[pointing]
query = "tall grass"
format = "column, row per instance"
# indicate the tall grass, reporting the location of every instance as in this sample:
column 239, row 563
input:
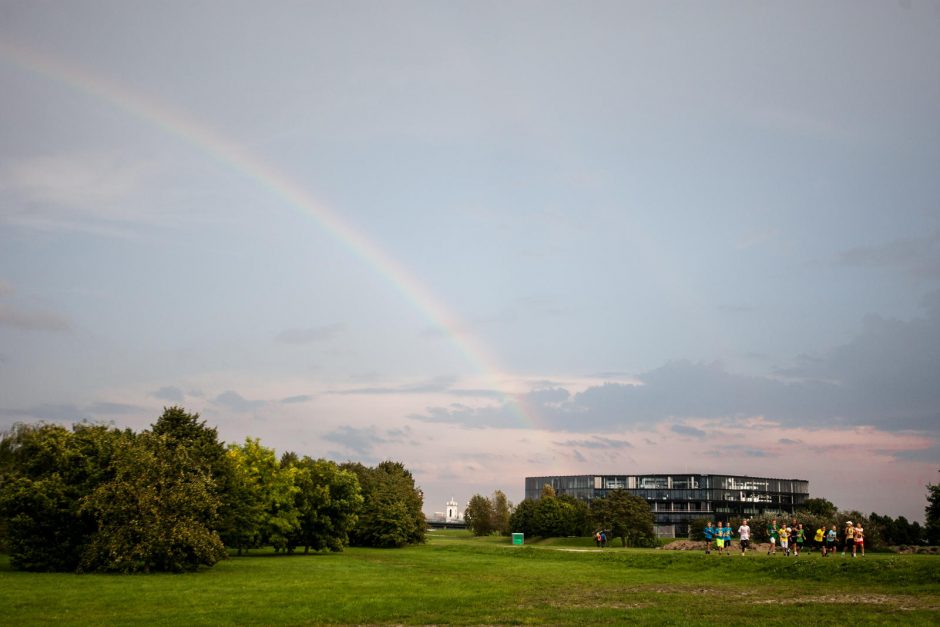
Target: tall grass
column 463, row 580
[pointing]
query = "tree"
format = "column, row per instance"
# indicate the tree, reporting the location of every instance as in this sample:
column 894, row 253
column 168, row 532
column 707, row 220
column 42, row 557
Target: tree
column 522, row 519
column 932, row 515
column 696, row 529
column 625, row 516
column 502, row 508
column 152, row 514
column 262, row 508
column 45, row 471
column 327, row 501
column 560, row 516
column 182, row 428
column 480, row 515
column 391, row 513
column 820, row 507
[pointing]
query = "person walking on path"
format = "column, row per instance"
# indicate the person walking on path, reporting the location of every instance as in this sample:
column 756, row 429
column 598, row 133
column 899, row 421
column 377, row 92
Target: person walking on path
column 744, row 536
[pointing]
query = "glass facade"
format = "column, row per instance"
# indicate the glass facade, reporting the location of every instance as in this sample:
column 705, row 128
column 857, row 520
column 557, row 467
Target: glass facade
column 676, row 500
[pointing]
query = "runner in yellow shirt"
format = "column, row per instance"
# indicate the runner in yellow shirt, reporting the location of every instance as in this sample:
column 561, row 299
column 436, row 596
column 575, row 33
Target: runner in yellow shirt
column 820, row 539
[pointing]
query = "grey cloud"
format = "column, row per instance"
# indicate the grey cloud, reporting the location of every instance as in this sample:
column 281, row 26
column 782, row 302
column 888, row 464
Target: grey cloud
column 919, row 256
column 596, row 442
column 49, row 413
column 930, row 455
column 689, row 431
column 886, row 377
column 113, row 408
column 610, row 375
column 32, row 320
column 70, row 413
column 476, row 393
column 236, row 402
column 363, row 440
column 169, row 393
column 502, row 416
column 549, row 395
column 735, row 449
column 311, row 335
column 438, row 384
column 300, row 398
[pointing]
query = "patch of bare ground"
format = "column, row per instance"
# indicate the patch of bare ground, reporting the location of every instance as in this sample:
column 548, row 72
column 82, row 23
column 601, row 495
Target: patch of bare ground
column 611, row 599
column 901, row 602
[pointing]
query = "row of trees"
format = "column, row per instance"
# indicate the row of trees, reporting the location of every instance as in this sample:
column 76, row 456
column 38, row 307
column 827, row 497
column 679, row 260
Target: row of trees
column 621, row 514
column 173, row 497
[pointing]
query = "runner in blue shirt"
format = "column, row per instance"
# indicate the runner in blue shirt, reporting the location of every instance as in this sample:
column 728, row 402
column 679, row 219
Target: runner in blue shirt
column 726, row 533
column 709, row 533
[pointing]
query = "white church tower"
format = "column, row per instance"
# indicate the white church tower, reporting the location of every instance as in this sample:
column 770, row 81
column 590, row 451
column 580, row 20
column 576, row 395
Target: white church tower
column 452, row 514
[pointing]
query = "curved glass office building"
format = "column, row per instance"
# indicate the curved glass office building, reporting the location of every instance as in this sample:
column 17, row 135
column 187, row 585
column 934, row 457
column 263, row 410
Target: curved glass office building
column 676, row 500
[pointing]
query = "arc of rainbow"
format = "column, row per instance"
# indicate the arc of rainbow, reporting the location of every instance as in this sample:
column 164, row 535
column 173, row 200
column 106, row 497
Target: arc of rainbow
column 199, row 135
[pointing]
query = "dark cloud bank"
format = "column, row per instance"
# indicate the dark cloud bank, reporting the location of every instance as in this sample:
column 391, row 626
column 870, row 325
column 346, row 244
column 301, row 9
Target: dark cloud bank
column 888, row 377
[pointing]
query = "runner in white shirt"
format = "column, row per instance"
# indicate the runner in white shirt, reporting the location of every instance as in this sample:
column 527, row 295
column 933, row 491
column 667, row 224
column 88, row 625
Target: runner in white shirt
column 744, row 533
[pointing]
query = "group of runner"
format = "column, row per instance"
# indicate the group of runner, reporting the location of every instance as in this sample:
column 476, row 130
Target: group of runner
column 790, row 538
column 853, row 539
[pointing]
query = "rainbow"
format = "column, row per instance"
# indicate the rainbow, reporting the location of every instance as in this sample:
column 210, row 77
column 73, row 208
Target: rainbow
column 237, row 158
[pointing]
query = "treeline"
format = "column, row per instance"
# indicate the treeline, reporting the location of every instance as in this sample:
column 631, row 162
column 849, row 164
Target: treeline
column 880, row 530
column 174, row 497
column 621, row 514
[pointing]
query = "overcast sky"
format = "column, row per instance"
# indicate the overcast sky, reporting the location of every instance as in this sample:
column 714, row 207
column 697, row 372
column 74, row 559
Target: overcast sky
column 488, row 239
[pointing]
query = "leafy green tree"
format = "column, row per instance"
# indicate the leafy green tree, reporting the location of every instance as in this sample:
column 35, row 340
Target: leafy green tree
column 182, row 428
column 480, row 515
column 559, row 517
column 625, row 516
column 327, row 501
column 897, row 532
column 45, row 471
column 696, row 529
column 932, row 515
column 391, row 513
column 152, row 514
column 262, row 508
column 580, row 522
column 820, row 507
column 522, row 519
column 502, row 509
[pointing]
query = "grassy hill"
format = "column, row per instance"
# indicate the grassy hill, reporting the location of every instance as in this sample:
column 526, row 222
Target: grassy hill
column 458, row 579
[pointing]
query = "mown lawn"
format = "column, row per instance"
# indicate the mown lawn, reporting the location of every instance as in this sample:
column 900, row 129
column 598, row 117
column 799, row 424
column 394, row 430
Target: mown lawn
column 460, row 580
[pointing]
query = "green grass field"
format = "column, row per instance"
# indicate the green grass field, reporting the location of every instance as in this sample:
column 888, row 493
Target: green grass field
column 458, row 579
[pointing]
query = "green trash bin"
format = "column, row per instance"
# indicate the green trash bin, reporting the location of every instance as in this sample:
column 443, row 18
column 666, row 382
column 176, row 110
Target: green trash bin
column 517, row 538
